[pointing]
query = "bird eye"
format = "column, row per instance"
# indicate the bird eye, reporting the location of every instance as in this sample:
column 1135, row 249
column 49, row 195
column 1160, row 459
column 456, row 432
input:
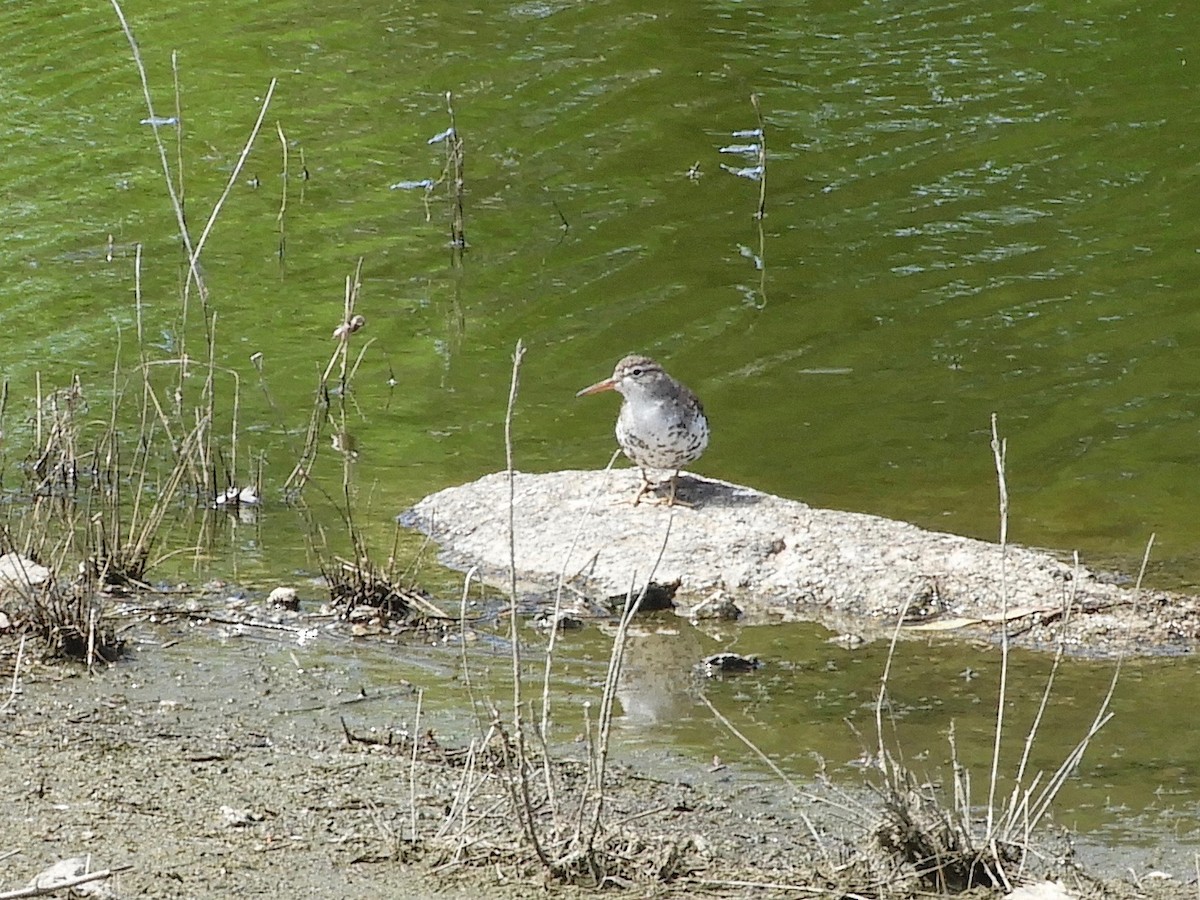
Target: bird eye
column 636, row 371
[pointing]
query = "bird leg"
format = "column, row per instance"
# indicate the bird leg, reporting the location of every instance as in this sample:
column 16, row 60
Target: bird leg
column 644, row 489
column 649, row 487
column 674, row 500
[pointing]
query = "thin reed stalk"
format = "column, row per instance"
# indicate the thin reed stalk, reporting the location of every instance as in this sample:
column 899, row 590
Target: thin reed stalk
column 283, row 195
column 761, row 212
column 552, row 642
column 155, row 124
column 233, row 177
column 412, row 768
column 525, row 805
column 999, row 454
column 611, row 679
column 179, row 134
column 455, row 165
column 339, row 359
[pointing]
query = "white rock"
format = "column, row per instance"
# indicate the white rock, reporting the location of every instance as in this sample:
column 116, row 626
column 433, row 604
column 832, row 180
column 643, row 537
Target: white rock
column 18, row 572
column 775, row 557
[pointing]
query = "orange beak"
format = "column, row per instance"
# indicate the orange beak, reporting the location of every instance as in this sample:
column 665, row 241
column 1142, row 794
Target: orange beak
column 606, row 385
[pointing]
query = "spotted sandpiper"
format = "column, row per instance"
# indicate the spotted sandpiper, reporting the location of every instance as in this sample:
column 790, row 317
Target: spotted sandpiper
column 661, row 424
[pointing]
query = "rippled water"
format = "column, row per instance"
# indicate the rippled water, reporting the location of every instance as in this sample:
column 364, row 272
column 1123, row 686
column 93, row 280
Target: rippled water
column 971, row 208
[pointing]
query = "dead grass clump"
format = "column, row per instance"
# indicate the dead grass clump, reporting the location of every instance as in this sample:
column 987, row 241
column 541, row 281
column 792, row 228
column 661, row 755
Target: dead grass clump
column 922, row 834
column 116, row 565
column 65, row 616
column 93, row 518
column 477, row 828
column 53, row 466
column 70, row 622
column 625, row 857
column 514, row 807
column 364, row 591
column 952, row 843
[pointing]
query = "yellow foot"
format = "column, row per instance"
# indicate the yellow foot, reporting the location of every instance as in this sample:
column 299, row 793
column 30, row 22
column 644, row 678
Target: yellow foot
column 671, row 499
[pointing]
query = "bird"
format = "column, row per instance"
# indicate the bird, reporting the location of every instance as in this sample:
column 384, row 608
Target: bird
column 661, row 424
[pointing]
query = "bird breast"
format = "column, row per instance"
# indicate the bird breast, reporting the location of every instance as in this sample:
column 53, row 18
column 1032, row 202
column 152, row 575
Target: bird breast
column 661, row 434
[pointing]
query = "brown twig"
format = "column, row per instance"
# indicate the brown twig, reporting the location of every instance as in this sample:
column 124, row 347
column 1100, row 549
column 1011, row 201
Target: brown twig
column 35, row 891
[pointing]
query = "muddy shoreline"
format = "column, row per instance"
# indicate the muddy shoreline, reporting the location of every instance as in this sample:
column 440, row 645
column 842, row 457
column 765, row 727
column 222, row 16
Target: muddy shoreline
column 303, row 787
column 218, row 761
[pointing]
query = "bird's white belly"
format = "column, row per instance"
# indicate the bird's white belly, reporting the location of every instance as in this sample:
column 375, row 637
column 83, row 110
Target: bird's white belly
column 661, row 438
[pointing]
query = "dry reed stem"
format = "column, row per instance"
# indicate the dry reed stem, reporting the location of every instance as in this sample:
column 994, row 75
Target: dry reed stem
column 1042, row 803
column 1017, row 810
column 462, row 636
column 999, row 453
column 176, row 198
column 301, row 472
column 15, row 687
column 1008, row 828
column 1059, row 653
column 761, row 212
column 524, row 804
column 455, row 163
column 341, row 351
column 37, row 406
column 1025, row 809
column 233, row 175
column 179, row 131
column 177, row 195
column 607, row 698
column 412, row 767
column 3, row 406
column 463, row 802
column 283, row 196
column 881, row 698
column 552, row 643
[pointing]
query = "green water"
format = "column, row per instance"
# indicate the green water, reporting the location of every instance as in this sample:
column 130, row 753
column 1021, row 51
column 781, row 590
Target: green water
column 971, row 208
